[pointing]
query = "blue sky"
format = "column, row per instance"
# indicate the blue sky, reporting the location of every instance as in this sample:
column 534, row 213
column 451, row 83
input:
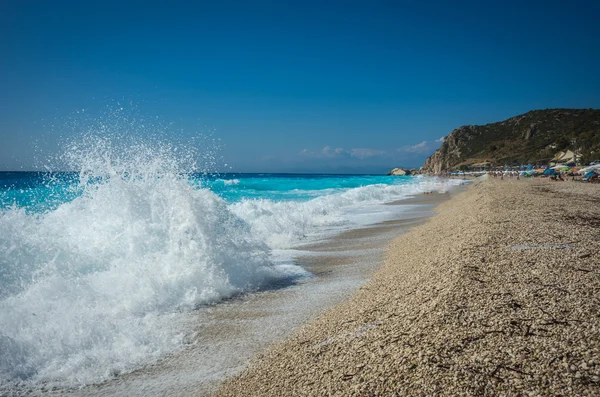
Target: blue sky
column 324, row 86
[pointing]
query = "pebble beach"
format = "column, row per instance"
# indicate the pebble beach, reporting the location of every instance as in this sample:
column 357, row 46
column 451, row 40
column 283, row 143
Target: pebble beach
column 497, row 294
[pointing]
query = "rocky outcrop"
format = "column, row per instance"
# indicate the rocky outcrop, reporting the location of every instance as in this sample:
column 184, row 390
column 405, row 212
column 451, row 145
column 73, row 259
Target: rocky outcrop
column 452, row 149
column 530, row 137
column 398, row 171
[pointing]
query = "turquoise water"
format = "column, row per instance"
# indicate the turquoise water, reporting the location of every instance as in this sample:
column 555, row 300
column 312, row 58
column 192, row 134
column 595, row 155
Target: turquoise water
column 98, row 267
column 235, row 187
column 39, row 191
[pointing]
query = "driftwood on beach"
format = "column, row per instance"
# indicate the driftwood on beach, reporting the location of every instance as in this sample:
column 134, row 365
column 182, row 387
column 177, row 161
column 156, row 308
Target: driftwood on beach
column 498, row 294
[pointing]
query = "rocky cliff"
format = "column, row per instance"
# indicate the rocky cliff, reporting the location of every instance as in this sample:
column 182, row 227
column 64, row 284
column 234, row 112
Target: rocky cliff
column 530, row 137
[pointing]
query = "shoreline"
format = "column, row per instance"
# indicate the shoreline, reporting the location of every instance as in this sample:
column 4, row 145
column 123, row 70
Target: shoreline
column 498, row 293
column 227, row 335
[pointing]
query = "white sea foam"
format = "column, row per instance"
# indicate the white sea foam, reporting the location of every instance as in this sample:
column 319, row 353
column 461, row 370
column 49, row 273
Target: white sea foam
column 93, row 287
column 282, row 224
column 231, row 181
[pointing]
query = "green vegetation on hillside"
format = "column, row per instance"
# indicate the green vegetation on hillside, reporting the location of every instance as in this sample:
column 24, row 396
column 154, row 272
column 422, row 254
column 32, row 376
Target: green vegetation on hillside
column 533, row 137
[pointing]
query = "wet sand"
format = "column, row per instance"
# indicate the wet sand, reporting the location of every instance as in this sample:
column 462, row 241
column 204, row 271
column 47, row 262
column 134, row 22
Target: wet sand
column 498, row 294
column 226, row 336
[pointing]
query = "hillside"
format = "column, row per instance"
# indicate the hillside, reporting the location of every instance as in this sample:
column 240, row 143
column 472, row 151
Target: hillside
column 532, row 137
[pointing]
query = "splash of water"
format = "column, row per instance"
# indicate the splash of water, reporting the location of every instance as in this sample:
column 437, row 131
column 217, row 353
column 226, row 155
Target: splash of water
column 94, row 286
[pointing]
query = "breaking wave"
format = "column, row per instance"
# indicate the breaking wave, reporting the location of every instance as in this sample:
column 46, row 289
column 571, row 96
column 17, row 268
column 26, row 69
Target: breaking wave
column 92, row 287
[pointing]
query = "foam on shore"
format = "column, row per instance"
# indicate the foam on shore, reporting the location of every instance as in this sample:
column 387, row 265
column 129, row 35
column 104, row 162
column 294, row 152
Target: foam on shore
column 222, row 338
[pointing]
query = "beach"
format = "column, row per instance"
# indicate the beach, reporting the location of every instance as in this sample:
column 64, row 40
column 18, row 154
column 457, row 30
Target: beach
column 342, row 234
column 497, row 294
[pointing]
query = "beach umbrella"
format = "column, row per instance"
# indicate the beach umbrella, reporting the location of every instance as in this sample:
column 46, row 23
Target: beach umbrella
column 589, row 174
column 590, row 168
column 549, row 171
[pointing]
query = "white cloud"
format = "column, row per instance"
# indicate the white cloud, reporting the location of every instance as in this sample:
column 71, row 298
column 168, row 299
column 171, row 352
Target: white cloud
column 424, row 147
column 326, row 152
column 418, row 148
column 329, row 152
column 364, row 153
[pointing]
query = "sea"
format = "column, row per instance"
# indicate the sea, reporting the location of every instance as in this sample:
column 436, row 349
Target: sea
column 99, row 265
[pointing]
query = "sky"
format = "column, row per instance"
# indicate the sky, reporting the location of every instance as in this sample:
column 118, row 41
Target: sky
column 289, row 86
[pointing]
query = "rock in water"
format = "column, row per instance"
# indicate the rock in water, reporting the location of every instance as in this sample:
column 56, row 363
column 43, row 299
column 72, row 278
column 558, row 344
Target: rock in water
column 398, row 171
